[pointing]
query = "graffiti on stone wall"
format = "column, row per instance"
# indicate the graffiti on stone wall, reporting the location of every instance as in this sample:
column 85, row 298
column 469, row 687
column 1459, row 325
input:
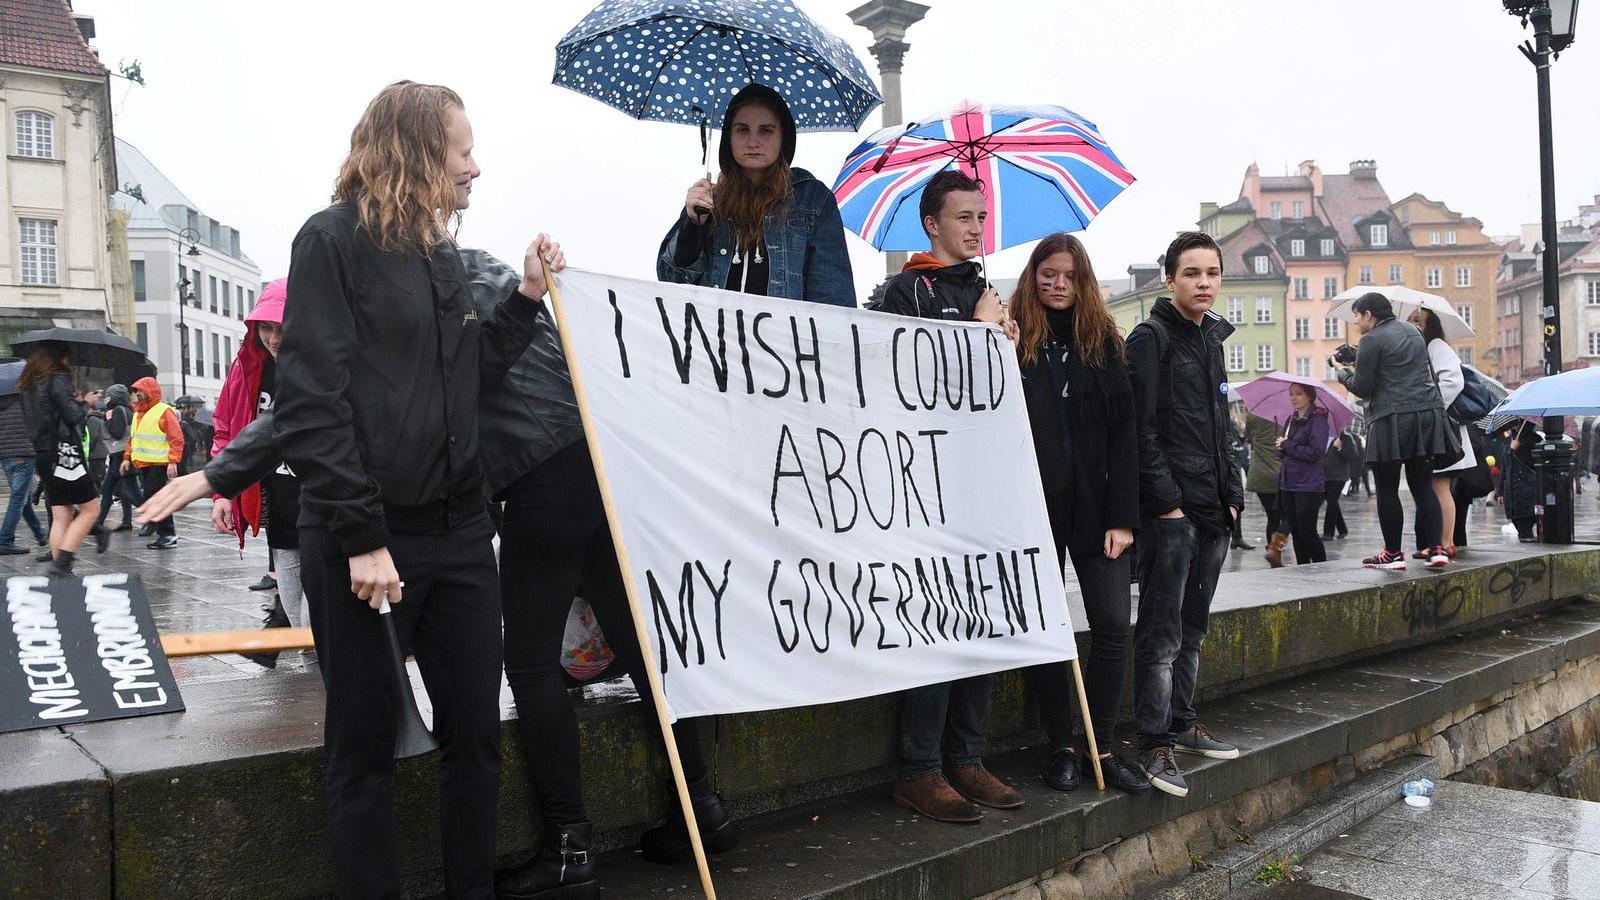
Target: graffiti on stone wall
column 1517, row 578
column 1433, row 605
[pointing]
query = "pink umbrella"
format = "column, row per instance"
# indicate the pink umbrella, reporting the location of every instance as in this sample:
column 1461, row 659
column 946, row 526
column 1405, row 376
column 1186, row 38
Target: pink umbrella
column 1268, row 397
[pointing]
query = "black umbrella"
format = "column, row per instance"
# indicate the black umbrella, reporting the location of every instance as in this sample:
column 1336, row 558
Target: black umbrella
column 92, row 349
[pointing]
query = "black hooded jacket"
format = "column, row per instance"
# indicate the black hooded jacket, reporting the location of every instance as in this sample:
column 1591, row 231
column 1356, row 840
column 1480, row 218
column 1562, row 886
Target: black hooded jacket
column 1180, row 389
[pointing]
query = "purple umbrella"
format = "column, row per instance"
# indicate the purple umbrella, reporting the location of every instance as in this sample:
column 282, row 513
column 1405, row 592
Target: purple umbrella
column 1268, row 397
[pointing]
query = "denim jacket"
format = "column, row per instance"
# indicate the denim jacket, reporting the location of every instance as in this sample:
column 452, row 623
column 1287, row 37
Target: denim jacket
column 805, row 249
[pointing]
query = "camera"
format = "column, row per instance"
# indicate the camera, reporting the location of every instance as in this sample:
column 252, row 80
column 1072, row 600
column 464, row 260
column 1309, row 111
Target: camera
column 1344, row 355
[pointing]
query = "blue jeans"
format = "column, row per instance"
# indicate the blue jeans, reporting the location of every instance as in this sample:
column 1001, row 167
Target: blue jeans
column 1178, row 568
column 19, row 475
column 943, row 723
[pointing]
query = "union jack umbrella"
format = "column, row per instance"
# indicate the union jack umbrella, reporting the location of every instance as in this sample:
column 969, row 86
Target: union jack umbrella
column 1043, row 169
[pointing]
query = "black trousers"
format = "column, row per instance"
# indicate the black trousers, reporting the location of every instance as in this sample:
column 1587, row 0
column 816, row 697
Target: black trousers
column 1300, row 510
column 1334, row 521
column 152, row 479
column 1108, row 604
column 1273, row 507
column 450, row 618
column 1391, row 514
column 554, row 545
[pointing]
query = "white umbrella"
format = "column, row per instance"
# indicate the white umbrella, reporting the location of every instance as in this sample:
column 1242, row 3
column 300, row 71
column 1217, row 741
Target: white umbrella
column 1406, row 301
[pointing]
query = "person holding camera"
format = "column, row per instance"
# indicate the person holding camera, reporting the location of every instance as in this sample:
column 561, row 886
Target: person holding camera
column 1406, row 425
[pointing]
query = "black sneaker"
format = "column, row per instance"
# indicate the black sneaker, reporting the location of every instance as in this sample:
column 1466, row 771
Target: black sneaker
column 102, row 538
column 13, row 550
column 267, row 583
column 147, row 530
column 1199, row 741
column 273, row 616
column 1123, row 775
column 165, row 542
column 44, row 555
column 1063, row 773
column 127, row 525
column 1163, row 772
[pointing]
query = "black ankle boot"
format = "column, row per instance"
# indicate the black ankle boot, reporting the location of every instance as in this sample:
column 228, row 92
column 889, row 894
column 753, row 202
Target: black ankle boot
column 669, row 843
column 60, row 566
column 563, row 869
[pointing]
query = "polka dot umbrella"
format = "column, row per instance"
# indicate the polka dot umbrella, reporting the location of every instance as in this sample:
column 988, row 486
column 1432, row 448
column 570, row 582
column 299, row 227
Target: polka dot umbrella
column 683, row 61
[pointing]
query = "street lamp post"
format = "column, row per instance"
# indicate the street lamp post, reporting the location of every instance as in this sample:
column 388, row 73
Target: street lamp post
column 185, row 294
column 1553, row 22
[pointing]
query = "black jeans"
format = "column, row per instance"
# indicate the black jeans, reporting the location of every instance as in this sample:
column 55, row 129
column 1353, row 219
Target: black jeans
column 450, row 619
column 1271, row 505
column 152, row 479
column 554, row 545
column 943, row 723
column 1178, row 568
column 1392, row 516
column 1334, row 521
column 116, row 484
column 1108, row 604
column 1300, row 510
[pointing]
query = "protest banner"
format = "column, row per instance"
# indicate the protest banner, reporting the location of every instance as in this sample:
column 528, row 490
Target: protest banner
column 80, row 650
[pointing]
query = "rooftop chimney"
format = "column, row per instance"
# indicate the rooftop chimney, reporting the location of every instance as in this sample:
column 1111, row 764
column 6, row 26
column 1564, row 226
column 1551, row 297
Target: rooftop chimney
column 1364, row 168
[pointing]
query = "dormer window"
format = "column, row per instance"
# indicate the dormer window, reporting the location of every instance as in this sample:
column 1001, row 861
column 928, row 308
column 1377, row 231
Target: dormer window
column 1297, row 248
column 1263, row 265
column 1276, row 210
column 1299, row 209
column 1327, row 246
column 1449, row 237
column 1378, row 235
column 1433, row 238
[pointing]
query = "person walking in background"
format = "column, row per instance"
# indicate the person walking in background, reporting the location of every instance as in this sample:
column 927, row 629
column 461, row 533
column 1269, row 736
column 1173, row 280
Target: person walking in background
column 56, row 421
column 1470, row 484
column 1079, row 397
column 1338, row 463
column 17, row 458
column 1300, row 489
column 94, row 425
column 765, row 227
column 1406, row 426
column 1263, row 478
column 155, row 447
column 1241, row 460
column 1447, row 375
column 197, row 435
column 118, row 417
column 1519, row 490
column 1189, row 495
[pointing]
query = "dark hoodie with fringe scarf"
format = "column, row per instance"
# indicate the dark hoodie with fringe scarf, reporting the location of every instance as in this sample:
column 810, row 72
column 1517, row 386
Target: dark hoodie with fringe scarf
column 1085, row 436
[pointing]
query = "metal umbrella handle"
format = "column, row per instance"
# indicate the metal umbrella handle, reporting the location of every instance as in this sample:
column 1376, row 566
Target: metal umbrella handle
column 411, row 737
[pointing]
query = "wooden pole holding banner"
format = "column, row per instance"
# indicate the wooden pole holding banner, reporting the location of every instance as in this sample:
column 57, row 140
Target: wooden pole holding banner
column 1088, row 725
column 646, row 653
column 204, row 643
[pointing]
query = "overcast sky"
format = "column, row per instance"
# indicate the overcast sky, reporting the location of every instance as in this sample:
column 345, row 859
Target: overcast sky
column 249, row 107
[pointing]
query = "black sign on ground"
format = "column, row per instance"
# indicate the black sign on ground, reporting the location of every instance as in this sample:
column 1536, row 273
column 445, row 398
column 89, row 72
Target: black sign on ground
column 80, row 650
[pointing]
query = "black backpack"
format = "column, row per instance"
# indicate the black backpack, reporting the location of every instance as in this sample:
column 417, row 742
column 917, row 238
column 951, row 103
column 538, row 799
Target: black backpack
column 1475, row 400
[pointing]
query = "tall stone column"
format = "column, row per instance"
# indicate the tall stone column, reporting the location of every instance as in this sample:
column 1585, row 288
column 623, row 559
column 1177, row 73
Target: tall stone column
column 888, row 21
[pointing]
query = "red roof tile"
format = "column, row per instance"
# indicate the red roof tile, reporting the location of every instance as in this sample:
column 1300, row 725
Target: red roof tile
column 40, row 34
column 1348, row 198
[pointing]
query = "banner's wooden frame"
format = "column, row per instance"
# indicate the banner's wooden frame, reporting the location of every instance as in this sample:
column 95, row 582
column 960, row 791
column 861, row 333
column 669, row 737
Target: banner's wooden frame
column 646, row 651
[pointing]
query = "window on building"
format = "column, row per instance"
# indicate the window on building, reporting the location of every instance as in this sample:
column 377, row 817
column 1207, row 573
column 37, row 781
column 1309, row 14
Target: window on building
column 1330, row 286
column 1466, row 355
column 1276, row 209
column 216, row 355
column 1397, row 274
column 239, row 297
column 1378, row 235
column 1327, row 246
column 1263, row 357
column 1364, row 275
column 1299, row 209
column 1433, row 238
column 1302, row 329
column 1302, row 288
column 1594, row 343
column 213, row 293
column 36, row 238
column 1449, row 237
column 227, row 351
column 1263, row 265
column 1516, row 303
column 137, row 266
column 1463, row 276
column 1236, row 310
column 1465, row 312
column 1297, row 248
column 198, row 346
column 1236, row 357
column 1435, row 277
column 1263, row 310
column 1593, row 293
column 36, row 135
column 227, row 299
column 141, row 336
column 1302, row 366
column 1332, row 328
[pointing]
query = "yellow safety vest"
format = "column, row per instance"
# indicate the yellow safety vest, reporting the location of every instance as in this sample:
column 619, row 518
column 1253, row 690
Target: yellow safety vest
column 149, row 441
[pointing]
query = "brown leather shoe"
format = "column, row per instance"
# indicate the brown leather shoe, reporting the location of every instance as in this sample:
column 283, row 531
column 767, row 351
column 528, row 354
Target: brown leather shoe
column 1274, row 552
column 979, row 785
column 932, row 796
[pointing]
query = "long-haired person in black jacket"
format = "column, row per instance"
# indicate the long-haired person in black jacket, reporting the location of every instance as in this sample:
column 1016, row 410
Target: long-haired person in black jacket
column 1080, row 403
column 377, row 413
column 56, row 423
